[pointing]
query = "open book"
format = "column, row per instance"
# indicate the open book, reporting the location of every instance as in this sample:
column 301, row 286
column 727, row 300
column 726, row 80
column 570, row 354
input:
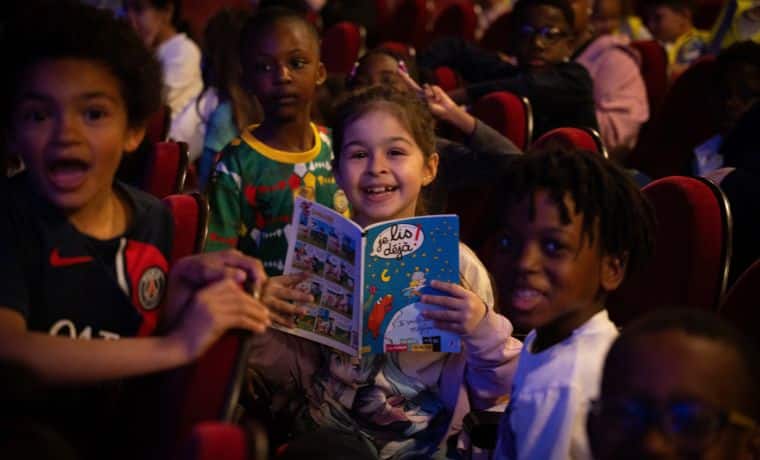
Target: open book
column 367, row 283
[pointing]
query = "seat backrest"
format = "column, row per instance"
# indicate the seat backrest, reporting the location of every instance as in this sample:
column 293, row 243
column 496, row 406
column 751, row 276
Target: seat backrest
column 408, row 24
column 685, row 120
column 341, row 46
column 573, row 138
column 157, row 127
column 740, row 306
column 166, row 169
column 225, row 441
column 190, row 213
column 654, row 71
column 457, row 19
column 692, row 251
column 507, row 113
column 499, row 35
column 447, row 78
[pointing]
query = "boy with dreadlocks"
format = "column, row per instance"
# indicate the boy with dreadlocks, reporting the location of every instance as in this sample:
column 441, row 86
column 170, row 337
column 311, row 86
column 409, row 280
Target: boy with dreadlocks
column 573, row 225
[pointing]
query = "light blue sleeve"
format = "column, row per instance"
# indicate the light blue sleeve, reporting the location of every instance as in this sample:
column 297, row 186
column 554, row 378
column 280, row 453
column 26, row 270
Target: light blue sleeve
column 220, row 130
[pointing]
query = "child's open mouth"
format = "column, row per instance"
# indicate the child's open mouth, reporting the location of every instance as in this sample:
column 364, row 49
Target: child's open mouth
column 525, row 299
column 67, row 174
column 379, row 193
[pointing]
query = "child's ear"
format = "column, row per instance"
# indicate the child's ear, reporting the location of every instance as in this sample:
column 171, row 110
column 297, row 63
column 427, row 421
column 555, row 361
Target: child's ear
column 321, row 73
column 431, row 169
column 613, row 271
column 133, row 138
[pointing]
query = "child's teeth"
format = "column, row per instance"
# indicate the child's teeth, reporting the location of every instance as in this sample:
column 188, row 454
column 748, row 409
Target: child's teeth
column 526, row 293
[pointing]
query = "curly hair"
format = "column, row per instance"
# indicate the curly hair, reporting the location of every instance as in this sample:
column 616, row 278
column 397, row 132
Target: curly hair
column 64, row 29
column 613, row 209
column 411, row 112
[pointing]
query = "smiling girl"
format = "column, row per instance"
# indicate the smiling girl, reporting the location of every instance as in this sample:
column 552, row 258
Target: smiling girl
column 404, row 404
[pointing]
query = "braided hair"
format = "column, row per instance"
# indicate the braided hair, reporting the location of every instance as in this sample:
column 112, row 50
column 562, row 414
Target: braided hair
column 613, row 210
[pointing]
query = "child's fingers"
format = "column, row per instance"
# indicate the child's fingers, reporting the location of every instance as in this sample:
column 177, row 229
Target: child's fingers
column 442, row 301
column 289, row 280
column 450, row 288
column 442, row 315
column 409, row 81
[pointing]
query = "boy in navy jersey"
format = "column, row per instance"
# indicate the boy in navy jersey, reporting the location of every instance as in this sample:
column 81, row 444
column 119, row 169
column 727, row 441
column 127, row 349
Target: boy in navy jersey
column 81, row 255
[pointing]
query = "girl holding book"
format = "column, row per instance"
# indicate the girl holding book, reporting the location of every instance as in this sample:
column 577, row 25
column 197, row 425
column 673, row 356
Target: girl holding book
column 402, row 404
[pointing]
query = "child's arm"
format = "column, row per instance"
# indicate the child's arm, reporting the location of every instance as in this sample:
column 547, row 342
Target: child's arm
column 621, row 102
column 491, row 351
column 226, row 199
column 206, row 313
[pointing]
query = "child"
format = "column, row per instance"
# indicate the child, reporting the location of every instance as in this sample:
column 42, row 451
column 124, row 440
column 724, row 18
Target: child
column 561, row 92
column 159, row 24
column 482, row 157
column 258, row 174
column 670, row 24
column 616, row 17
column 83, row 256
column 738, row 21
column 678, row 384
column 572, row 225
column 236, row 109
column 393, row 405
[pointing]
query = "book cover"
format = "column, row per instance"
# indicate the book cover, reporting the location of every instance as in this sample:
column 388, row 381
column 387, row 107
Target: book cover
column 367, row 283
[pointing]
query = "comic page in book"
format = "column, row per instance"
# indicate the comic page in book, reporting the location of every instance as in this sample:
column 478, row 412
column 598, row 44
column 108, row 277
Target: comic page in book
column 401, row 258
column 327, row 247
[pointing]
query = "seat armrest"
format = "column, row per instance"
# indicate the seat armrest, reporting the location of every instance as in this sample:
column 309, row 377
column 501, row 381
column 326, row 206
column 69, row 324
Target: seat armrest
column 482, row 427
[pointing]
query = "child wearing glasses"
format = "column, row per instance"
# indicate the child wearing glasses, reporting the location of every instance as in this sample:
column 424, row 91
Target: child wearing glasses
column 572, row 225
column 678, row 384
column 560, row 91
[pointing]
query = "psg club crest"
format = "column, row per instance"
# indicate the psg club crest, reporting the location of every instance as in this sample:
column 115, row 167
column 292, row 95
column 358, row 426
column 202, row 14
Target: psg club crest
column 151, row 287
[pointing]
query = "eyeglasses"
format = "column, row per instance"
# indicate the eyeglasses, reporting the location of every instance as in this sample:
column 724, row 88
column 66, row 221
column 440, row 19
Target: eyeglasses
column 689, row 424
column 547, row 34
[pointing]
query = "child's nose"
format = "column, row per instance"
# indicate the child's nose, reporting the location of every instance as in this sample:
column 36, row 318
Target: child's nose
column 283, row 73
column 529, row 257
column 66, row 128
column 377, row 163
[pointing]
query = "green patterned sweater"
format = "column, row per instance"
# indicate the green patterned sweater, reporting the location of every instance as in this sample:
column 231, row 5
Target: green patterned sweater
column 251, row 195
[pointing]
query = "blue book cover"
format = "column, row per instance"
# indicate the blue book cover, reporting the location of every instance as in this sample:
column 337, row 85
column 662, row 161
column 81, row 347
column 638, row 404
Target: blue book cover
column 400, row 259
column 367, row 283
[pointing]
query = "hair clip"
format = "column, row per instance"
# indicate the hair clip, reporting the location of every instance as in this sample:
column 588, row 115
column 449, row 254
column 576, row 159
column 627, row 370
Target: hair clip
column 352, row 73
column 402, row 66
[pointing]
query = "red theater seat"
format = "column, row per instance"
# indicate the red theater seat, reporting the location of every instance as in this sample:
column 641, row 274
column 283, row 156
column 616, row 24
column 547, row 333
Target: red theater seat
column 166, row 169
column 507, row 113
column 341, row 46
column 692, row 251
column 654, row 71
column 457, row 19
column 190, row 214
column 685, row 120
column 578, row 138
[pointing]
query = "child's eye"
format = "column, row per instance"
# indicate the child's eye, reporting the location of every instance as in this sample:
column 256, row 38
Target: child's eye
column 94, row 114
column 397, row 152
column 34, row 115
column 357, row 154
column 298, row 63
column 553, row 247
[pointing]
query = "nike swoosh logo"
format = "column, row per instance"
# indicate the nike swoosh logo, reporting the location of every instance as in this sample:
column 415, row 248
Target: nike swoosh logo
column 57, row 261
